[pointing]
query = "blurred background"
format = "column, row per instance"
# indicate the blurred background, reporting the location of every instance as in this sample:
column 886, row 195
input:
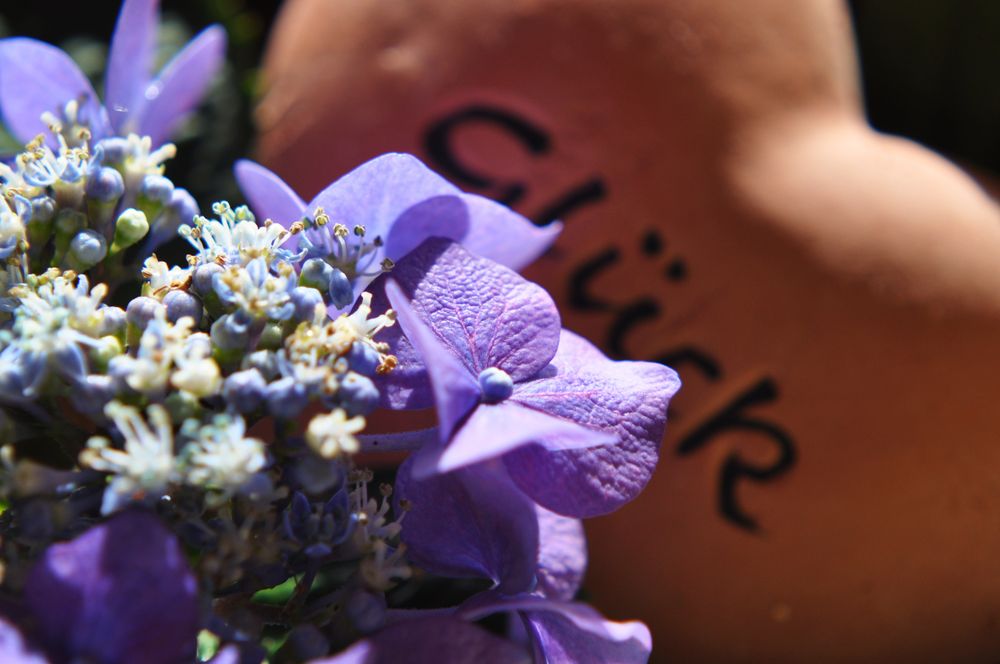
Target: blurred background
column 929, row 69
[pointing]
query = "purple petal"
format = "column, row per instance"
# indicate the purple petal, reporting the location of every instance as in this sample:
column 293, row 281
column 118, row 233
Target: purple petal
column 470, row 523
column 486, row 314
column 562, row 554
column 407, row 387
column 572, row 632
column 627, row 399
column 268, row 195
column 498, row 233
column 121, row 591
column 388, row 196
column 14, row 649
column 429, row 641
column 129, row 62
column 35, row 78
column 568, row 631
column 493, row 430
column 182, row 84
column 456, row 392
column 379, row 191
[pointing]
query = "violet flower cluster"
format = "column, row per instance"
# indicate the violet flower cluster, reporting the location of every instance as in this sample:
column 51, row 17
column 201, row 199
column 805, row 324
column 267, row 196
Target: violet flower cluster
column 193, row 475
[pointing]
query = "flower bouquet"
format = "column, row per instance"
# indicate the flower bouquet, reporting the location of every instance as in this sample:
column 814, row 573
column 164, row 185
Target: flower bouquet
column 196, row 463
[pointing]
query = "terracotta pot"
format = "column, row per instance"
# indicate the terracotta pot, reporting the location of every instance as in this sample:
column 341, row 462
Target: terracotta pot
column 830, row 484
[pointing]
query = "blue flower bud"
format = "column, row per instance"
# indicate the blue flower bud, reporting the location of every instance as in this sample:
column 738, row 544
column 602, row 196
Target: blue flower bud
column 496, row 385
column 316, row 274
column 86, row 249
column 105, row 185
column 113, row 321
column 295, row 518
column 264, row 362
column 183, row 205
column 157, row 188
column 113, row 150
column 141, row 310
column 286, row 397
column 71, row 363
column 92, row 394
column 357, row 394
column 180, row 303
column 231, row 332
column 363, row 359
column 43, row 208
column 202, row 278
column 341, row 291
column 305, row 300
column 244, row 390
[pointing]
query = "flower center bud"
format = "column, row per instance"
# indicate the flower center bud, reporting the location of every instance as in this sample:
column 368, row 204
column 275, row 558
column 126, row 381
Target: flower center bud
column 496, row 384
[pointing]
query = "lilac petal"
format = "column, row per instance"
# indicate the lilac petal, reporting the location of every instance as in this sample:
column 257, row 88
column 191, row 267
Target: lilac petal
column 120, row 592
column 572, row 632
column 182, row 84
column 486, row 314
column 627, row 399
column 129, row 61
column 568, row 631
column 13, row 647
column 562, row 554
column 268, row 195
column 470, row 523
column 407, row 387
column 455, row 391
column 379, row 191
column 498, row 233
column 429, row 641
column 381, row 194
column 35, row 78
column 493, row 430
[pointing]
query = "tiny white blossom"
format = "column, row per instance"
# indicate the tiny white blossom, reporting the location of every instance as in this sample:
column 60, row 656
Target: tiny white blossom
column 332, row 434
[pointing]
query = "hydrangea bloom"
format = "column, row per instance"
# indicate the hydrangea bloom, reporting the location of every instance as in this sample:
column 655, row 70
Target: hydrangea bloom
column 578, row 432
column 41, row 80
column 376, row 214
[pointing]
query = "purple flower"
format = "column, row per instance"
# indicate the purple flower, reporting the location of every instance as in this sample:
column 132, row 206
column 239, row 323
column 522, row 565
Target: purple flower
column 379, row 212
column 476, row 523
column 37, row 78
column 120, row 592
column 578, row 432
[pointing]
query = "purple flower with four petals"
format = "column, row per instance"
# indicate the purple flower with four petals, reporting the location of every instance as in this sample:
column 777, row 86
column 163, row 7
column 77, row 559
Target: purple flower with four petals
column 578, row 433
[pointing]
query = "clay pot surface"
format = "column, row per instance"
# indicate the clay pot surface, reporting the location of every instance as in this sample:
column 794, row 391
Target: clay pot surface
column 829, row 487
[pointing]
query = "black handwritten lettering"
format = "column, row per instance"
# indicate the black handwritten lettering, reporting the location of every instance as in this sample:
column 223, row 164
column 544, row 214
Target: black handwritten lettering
column 442, row 153
column 735, row 469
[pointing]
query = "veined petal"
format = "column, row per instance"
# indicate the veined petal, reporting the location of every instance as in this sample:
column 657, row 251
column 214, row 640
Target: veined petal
column 37, row 78
column 626, row 399
column 268, row 195
column 182, row 84
column 498, row 233
column 470, row 523
column 485, row 313
column 493, row 430
column 129, row 61
column 120, row 592
column 455, row 390
column 424, row 640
